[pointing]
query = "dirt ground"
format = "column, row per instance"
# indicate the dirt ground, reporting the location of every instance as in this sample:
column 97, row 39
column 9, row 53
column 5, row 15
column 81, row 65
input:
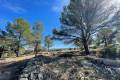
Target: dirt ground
column 10, row 68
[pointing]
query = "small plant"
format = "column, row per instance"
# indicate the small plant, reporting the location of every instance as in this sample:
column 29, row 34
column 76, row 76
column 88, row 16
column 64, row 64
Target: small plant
column 109, row 52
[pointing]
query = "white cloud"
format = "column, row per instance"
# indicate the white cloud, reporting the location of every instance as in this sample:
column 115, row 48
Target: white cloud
column 116, row 2
column 14, row 7
column 59, row 4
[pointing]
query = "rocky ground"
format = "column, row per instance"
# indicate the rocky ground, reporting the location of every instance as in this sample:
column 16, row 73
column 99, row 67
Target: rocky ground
column 70, row 68
column 62, row 67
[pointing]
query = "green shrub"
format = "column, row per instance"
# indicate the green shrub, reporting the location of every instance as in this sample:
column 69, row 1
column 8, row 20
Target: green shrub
column 109, row 52
column 118, row 51
column 22, row 51
column 27, row 52
column 94, row 47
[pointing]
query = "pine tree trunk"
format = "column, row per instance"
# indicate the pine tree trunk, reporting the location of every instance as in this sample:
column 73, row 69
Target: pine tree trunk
column 106, row 44
column 87, row 52
column 36, row 48
column 48, row 48
column 18, row 49
column 0, row 54
column 85, row 45
column 1, row 51
column 18, row 45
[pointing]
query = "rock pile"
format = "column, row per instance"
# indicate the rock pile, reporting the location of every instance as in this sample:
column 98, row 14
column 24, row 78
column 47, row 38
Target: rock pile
column 74, row 68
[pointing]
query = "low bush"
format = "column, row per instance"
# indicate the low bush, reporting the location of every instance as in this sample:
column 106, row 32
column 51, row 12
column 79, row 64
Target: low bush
column 66, row 55
column 109, row 52
column 94, row 47
column 27, row 52
column 118, row 51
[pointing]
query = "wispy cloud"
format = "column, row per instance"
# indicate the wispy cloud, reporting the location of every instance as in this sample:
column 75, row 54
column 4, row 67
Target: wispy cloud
column 2, row 21
column 14, row 7
column 59, row 4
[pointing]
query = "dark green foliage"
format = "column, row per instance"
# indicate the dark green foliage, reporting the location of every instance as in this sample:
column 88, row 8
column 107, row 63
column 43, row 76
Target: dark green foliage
column 118, row 53
column 19, row 35
column 118, row 36
column 66, row 55
column 94, row 47
column 27, row 52
column 16, row 35
column 1, row 51
column 109, row 52
column 48, row 42
column 106, row 36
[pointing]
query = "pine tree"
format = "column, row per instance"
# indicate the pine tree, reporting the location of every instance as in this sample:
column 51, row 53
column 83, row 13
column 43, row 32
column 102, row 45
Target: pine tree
column 48, row 42
column 82, row 19
column 37, row 34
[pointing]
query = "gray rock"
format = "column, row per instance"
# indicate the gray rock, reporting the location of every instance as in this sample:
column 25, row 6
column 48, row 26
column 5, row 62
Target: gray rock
column 23, row 79
column 40, row 76
column 68, row 68
column 24, row 76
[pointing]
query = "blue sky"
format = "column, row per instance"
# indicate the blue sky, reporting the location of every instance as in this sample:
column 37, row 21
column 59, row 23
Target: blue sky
column 46, row 11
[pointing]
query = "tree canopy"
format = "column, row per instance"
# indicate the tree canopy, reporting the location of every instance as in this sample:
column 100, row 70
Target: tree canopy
column 81, row 19
column 37, row 36
column 48, row 42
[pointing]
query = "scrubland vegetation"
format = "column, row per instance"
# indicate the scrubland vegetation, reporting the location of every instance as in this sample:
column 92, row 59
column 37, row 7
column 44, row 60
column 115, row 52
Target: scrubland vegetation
column 92, row 26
